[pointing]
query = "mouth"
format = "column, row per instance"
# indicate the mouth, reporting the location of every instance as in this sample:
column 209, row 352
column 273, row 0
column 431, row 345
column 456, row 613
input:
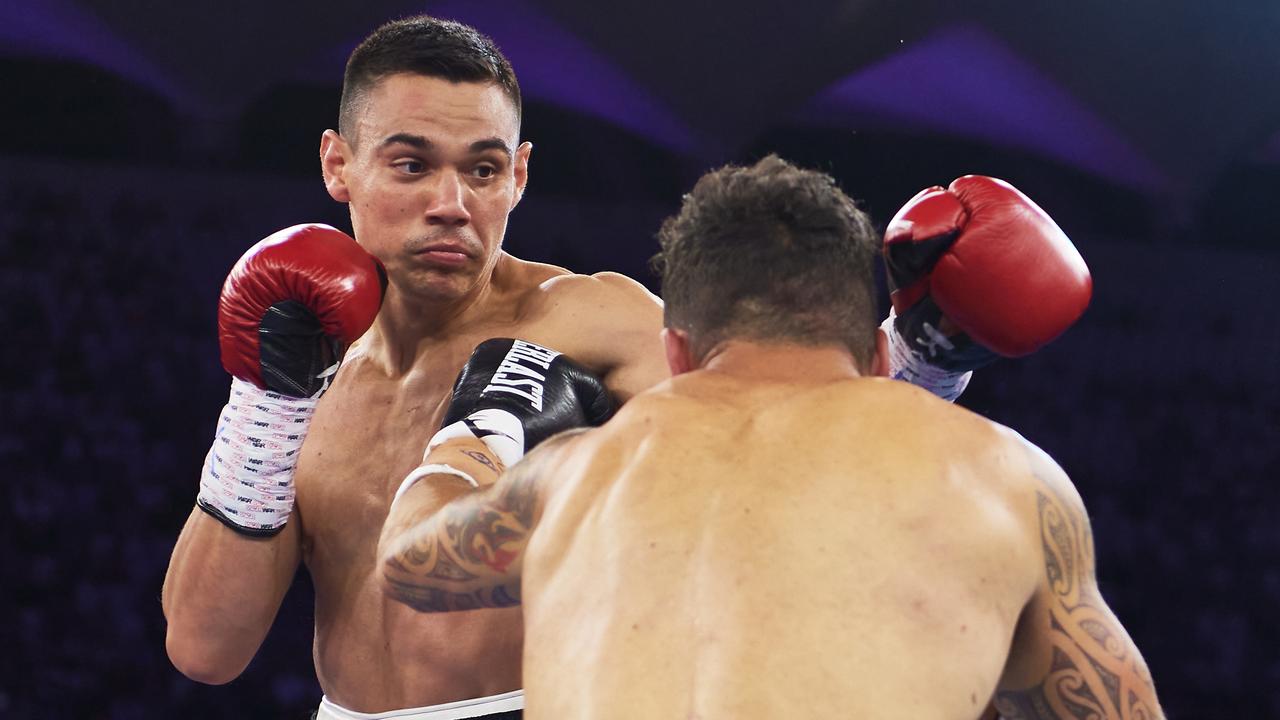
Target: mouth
column 445, row 254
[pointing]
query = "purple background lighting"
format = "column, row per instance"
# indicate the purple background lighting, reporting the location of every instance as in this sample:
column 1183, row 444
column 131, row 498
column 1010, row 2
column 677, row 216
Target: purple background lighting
column 145, row 145
column 962, row 81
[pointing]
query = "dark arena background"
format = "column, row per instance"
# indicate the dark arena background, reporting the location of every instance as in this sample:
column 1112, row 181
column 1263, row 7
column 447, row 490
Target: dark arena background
column 144, row 146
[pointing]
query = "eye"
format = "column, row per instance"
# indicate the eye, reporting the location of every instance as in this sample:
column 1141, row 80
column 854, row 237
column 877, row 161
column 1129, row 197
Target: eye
column 410, row 167
column 484, row 172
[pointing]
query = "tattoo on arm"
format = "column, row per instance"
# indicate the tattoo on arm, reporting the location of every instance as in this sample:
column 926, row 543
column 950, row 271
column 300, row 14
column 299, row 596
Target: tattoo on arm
column 1096, row 672
column 467, row 555
column 430, row 599
column 481, row 458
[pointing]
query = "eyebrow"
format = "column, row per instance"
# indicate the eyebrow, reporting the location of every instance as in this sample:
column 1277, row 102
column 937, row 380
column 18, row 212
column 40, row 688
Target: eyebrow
column 421, row 143
column 414, row 141
column 493, row 143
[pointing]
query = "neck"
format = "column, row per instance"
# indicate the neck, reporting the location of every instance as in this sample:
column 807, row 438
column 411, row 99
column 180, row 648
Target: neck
column 783, row 362
column 409, row 325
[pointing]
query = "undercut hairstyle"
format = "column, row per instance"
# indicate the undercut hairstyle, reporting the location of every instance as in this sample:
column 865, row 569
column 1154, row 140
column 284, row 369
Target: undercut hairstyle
column 770, row 253
column 422, row 45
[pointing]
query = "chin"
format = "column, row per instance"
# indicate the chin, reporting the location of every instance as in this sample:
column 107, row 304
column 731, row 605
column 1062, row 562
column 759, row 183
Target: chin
column 437, row 286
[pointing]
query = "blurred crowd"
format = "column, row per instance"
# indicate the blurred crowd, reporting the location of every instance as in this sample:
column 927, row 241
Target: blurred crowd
column 111, row 385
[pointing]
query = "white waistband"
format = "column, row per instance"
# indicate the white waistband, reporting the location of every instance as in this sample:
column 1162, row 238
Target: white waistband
column 459, row 710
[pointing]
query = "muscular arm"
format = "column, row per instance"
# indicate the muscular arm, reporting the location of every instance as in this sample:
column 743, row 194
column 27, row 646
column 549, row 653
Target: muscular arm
column 1071, row 658
column 619, row 325
column 447, row 546
column 221, row 593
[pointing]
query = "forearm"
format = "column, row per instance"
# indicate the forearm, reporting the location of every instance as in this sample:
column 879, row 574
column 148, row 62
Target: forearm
column 420, row 498
column 239, row 550
column 456, row 530
column 436, row 552
column 431, row 566
column 221, row 593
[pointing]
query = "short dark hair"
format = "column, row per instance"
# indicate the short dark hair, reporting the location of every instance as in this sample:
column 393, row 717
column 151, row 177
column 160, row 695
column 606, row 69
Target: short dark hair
column 423, row 45
column 770, row 252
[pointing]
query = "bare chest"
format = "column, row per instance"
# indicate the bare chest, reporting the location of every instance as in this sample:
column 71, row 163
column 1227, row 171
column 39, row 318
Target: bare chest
column 363, row 440
column 370, row 431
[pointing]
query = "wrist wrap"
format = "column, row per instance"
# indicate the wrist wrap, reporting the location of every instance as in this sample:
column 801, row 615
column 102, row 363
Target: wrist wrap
column 908, row 364
column 247, row 480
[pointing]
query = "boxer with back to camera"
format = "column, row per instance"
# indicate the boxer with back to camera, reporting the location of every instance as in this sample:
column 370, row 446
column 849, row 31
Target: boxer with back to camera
column 776, row 531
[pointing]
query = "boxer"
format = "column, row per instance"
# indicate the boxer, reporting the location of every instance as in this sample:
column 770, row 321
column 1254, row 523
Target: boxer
column 777, row 531
column 306, row 460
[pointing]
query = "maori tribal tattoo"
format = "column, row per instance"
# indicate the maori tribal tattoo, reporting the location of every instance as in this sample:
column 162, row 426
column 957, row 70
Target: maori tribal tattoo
column 1096, row 672
column 467, row 555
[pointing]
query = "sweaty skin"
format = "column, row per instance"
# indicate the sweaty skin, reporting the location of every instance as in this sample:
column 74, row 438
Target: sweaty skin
column 430, row 177
column 749, row 541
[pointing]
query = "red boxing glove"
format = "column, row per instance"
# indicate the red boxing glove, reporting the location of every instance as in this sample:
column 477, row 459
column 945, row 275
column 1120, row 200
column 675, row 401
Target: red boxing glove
column 289, row 309
column 292, row 305
column 984, row 257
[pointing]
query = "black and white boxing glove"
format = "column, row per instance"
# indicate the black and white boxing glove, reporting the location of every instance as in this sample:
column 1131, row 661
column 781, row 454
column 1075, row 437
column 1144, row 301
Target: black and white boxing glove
column 512, row 395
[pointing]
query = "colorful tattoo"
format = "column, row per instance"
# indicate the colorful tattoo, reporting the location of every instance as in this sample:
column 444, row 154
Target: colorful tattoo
column 466, row 555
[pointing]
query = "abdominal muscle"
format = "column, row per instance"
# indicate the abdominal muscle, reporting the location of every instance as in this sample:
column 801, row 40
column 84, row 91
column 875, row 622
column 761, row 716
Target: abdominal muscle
column 373, row 654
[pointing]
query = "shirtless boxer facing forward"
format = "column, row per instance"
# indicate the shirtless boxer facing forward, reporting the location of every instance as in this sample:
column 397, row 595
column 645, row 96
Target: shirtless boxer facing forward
column 429, row 161
column 774, row 533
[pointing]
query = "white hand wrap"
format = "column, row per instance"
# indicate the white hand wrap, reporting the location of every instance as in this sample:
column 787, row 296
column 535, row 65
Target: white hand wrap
column 907, row 364
column 431, row 469
column 247, row 481
column 498, row 429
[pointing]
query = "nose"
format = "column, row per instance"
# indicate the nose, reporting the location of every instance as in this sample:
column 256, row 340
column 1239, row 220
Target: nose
column 448, row 201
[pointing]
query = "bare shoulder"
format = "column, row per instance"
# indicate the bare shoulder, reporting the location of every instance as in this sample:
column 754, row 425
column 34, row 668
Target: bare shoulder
column 553, row 281
column 608, row 322
column 531, row 471
column 902, row 409
column 605, row 290
column 527, row 275
column 541, row 473
column 998, row 464
column 662, row 402
column 1042, row 474
column 554, row 448
column 603, row 305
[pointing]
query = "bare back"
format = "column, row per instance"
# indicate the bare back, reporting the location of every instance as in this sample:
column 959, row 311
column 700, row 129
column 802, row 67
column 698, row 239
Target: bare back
column 370, row 429
column 850, row 549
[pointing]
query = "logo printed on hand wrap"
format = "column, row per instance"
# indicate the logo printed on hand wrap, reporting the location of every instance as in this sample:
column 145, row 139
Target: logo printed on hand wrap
column 935, row 343
column 514, row 376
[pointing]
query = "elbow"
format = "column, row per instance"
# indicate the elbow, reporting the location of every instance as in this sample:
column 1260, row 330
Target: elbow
column 201, row 659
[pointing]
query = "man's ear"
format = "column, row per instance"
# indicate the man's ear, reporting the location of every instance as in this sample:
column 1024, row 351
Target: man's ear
column 679, row 356
column 334, row 154
column 880, row 360
column 523, row 151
